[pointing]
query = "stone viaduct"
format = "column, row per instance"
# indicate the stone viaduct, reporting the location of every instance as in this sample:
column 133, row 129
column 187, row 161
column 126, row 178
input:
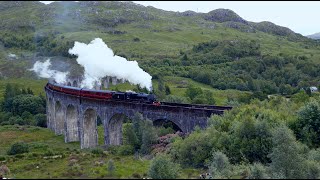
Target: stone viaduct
column 76, row 117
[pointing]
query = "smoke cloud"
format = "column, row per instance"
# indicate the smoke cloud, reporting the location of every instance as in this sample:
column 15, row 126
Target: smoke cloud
column 42, row 70
column 99, row 61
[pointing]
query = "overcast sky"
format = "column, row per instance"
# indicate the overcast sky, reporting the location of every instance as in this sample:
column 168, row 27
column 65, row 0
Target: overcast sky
column 299, row 16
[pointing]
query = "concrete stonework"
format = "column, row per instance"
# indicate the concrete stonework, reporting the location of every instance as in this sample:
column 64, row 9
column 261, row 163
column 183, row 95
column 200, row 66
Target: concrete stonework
column 76, row 118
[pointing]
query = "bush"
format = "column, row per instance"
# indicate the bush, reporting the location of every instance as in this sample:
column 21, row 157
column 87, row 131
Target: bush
column 258, row 171
column 176, row 99
column 220, row 165
column 136, row 39
column 193, row 150
column 122, row 150
column 5, row 123
column 28, row 118
column 164, row 131
column 129, row 136
column 287, row 158
column 41, row 120
column 313, row 170
column 2, row 158
column 125, row 150
column 193, row 91
column 111, row 167
column 18, row 148
column 149, row 137
column 49, row 152
column 113, row 149
column 29, row 103
column 97, row 151
column 19, row 156
column 16, row 120
column 136, row 175
column 307, row 127
column 163, row 168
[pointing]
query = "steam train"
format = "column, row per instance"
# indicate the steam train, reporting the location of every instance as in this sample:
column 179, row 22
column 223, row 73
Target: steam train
column 104, row 94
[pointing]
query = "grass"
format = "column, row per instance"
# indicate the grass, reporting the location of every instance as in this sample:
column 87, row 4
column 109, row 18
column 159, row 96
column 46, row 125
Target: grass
column 84, row 163
column 39, row 136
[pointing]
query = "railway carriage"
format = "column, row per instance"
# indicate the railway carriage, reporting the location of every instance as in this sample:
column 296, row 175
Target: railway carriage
column 104, row 94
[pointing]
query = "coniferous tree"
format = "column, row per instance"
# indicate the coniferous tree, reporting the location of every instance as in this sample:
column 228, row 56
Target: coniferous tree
column 137, row 127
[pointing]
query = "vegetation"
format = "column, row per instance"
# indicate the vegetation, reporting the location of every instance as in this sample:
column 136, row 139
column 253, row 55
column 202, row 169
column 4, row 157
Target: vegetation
column 18, row 148
column 162, row 168
column 21, row 106
column 263, row 70
column 217, row 48
column 253, row 141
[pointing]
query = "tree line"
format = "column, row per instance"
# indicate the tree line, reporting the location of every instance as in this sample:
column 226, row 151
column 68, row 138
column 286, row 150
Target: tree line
column 21, row 106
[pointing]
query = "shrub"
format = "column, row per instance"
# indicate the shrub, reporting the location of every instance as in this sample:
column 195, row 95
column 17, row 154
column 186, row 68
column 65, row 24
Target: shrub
column 125, row 150
column 307, row 126
column 16, row 120
column 2, row 158
column 176, row 99
column 18, row 148
column 162, row 131
column 163, row 168
column 19, row 156
column 49, row 152
column 286, row 156
column 136, row 39
column 111, row 167
column 136, row 175
column 97, row 151
column 41, row 120
column 220, row 165
column 258, row 171
column 121, row 150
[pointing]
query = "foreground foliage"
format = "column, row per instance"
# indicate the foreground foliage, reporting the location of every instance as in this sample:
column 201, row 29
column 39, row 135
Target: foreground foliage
column 255, row 141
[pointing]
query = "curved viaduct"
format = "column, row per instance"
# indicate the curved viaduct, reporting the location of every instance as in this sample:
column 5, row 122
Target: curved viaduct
column 76, row 117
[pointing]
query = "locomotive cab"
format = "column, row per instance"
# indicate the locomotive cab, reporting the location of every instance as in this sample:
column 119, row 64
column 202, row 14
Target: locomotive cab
column 119, row 95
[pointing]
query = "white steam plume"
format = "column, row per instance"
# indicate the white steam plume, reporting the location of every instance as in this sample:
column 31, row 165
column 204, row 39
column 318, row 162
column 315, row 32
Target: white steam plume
column 99, row 61
column 42, row 70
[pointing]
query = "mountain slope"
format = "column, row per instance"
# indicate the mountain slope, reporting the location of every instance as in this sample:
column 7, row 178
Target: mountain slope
column 157, row 39
column 314, row 36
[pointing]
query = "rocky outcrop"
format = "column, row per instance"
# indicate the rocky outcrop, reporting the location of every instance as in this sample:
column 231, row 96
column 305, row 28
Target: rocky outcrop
column 223, row 15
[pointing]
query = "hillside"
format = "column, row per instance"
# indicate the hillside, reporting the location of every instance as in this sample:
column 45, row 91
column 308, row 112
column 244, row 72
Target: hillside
column 157, row 39
column 314, row 36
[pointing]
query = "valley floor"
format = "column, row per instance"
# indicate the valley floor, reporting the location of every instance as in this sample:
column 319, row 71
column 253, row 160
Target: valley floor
column 50, row 157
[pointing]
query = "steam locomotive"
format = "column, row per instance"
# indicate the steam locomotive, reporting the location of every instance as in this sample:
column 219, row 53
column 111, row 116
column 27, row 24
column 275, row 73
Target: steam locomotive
column 104, row 94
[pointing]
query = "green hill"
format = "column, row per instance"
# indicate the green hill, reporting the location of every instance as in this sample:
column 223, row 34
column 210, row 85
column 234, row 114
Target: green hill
column 159, row 40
